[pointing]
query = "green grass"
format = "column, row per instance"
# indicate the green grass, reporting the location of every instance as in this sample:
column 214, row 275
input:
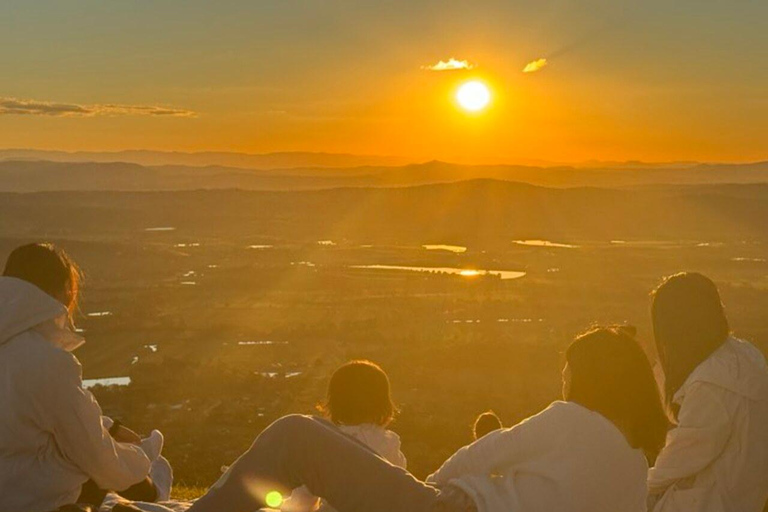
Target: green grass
column 183, row 492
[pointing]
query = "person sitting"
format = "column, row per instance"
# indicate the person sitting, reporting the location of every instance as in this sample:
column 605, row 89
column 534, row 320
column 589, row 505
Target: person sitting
column 359, row 402
column 55, row 449
column 716, row 389
column 587, row 453
column 485, row 423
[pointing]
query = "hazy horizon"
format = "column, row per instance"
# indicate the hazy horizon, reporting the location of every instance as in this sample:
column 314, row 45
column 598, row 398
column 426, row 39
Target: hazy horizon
column 392, row 159
column 566, row 81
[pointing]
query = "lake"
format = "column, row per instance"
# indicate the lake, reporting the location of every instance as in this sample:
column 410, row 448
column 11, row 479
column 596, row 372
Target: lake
column 106, row 381
column 545, row 243
column 458, row 249
column 463, row 272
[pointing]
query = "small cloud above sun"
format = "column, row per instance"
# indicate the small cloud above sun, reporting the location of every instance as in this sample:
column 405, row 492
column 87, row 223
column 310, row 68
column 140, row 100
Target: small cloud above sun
column 535, row 65
column 473, row 96
column 449, row 65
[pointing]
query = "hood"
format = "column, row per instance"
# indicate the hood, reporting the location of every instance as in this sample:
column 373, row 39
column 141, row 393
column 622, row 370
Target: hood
column 737, row 366
column 24, row 306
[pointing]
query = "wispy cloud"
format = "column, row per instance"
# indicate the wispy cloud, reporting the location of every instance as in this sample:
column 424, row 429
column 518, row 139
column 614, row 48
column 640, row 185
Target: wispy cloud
column 534, row 65
column 15, row 106
column 449, row 65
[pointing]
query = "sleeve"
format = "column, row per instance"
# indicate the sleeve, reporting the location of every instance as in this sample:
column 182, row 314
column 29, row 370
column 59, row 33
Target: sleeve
column 489, row 454
column 704, row 426
column 74, row 418
column 394, row 453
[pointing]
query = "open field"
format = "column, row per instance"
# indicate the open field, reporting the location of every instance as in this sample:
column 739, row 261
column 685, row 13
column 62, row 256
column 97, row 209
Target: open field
column 228, row 309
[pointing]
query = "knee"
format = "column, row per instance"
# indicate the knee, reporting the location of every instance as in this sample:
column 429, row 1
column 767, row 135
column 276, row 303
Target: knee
column 290, row 427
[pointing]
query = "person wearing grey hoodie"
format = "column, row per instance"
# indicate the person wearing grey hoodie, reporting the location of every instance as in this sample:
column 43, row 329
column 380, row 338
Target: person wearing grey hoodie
column 52, row 439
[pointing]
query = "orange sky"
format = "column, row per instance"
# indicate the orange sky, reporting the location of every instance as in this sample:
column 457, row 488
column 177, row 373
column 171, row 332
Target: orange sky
column 624, row 81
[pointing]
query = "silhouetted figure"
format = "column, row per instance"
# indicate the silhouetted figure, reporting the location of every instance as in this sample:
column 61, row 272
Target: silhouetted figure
column 486, row 423
column 585, row 454
column 716, row 389
column 359, row 402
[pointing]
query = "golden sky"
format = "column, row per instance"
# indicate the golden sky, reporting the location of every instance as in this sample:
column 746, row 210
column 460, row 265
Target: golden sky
column 611, row 79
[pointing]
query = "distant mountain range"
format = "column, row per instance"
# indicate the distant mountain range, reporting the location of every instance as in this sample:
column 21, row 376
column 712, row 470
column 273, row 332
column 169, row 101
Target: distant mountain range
column 30, row 175
column 281, row 160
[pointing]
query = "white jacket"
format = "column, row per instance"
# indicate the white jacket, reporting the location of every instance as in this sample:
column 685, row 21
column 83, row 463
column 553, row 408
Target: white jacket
column 565, row 459
column 716, row 459
column 382, row 441
column 51, row 435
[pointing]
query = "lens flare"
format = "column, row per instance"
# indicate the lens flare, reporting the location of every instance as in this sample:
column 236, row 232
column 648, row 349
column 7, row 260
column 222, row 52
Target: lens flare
column 273, row 499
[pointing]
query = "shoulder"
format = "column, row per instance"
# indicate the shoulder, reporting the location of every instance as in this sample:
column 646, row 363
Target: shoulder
column 558, row 414
column 737, row 367
column 37, row 369
column 33, row 352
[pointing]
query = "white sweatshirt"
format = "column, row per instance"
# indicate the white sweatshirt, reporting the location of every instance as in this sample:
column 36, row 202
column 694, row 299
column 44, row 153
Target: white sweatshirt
column 716, row 459
column 383, row 442
column 566, row 458
column 51, row 435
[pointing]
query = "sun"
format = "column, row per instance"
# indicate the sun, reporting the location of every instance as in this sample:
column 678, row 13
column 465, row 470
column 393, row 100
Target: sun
column 473, row 96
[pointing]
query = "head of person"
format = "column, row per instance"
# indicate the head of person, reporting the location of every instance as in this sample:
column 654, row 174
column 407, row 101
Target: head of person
column 608, row 372
column 359, row 393
column 486, row 423
column 49, row 268
column 689, row 324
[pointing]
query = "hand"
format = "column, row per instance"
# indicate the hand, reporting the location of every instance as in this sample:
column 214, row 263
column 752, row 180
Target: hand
column 126, row 435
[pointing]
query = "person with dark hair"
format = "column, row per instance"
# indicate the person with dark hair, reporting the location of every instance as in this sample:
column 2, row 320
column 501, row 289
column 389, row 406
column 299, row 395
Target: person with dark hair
column 584, row 454
column 359, row 402
column 716, row 390
column 54, row 447
column 485, row 423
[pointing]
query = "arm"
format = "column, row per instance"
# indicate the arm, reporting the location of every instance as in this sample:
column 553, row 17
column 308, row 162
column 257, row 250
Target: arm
column 488, row 454
column 704, row 427
column 72, row 415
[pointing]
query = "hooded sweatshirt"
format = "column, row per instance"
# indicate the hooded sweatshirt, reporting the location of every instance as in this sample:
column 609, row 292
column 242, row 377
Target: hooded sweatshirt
column 716, row 459
column 567, row 458
column 51, row 435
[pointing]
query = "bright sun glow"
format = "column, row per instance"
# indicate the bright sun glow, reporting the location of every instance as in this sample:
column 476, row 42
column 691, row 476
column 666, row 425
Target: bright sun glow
column 473, row 96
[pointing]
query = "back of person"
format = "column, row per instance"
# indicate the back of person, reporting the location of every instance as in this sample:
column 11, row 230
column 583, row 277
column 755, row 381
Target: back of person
column 716, row 388
column 33, row 473
column 52, row 440
column 566, row 458
column 723, row 465
column 384, row 442
column 359, row 403
column 586, row 454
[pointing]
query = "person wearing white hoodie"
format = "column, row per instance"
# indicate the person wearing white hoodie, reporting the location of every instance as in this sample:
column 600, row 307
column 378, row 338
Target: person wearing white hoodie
column 586, row 454
column 52, row 437
column 716, row 387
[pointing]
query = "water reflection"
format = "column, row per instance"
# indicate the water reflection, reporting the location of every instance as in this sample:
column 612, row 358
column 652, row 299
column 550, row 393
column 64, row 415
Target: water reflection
column 450, row 248
column 97, row 314
column 503, row 274
column 106, row 381
column 261, row 342
column 545, row 243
